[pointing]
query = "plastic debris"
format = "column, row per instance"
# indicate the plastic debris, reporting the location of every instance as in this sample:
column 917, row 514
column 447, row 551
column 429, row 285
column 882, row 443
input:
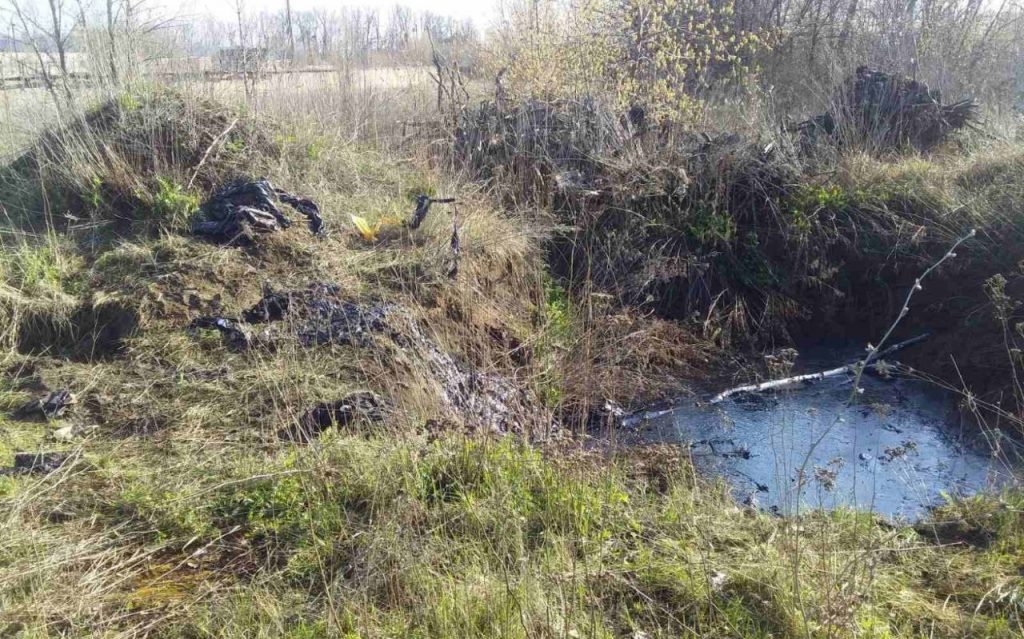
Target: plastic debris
column 52, row 406
column 368, row 232
column 241, row 210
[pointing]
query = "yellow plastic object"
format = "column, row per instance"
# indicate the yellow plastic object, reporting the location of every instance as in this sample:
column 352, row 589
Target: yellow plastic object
column 368, row 232
column 371, row 231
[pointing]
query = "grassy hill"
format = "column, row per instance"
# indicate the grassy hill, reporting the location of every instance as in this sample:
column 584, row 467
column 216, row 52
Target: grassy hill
column 469, row 509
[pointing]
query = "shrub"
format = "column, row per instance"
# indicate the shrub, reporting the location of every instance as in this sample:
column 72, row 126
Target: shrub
column 662, row 56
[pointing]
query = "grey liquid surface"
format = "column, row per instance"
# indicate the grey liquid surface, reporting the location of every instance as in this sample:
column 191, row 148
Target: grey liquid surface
column 893, row 451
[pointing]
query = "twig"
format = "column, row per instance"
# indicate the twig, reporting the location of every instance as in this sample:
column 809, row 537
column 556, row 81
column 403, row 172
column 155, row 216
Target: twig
column 873, row 351
column 456, row 245
column 814, row 377
column 209, row 149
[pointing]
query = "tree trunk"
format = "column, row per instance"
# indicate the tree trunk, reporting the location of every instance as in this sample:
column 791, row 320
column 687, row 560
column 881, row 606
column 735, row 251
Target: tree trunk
column 60, row 43
column 112, row 42
column 291, row 34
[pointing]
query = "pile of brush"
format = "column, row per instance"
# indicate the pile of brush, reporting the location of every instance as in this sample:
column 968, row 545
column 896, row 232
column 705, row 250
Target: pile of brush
column 886, row 112
column 651, row 213
column 685, row 222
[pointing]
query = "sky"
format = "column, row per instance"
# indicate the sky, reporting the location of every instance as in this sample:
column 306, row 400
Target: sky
column 481, row 11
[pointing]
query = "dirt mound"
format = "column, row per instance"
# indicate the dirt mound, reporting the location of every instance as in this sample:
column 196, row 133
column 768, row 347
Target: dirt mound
column 136, row 163
column 882, row 112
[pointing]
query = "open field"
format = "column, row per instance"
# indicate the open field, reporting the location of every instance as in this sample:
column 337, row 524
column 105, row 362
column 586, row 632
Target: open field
column 383, row 96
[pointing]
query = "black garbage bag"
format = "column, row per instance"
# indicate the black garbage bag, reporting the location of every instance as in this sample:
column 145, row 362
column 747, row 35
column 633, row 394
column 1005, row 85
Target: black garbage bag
column 243, row 209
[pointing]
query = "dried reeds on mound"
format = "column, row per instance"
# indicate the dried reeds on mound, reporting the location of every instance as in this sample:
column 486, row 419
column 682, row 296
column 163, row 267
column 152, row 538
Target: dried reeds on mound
column 136, row 163
column 882, row 112
column 654, row 213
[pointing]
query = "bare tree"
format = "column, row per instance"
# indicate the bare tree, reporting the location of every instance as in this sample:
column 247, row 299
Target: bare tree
column 243, row 48
column 111, row 15
column 291, row 33
column 47, row 37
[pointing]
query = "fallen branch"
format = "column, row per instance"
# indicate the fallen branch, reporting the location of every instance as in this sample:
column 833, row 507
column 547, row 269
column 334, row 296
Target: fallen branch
column 872, row 361
column 875, row 352
column 223, row 134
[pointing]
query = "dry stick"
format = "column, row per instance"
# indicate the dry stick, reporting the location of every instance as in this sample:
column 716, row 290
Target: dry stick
column 786, row 382
column 209, row 149
column 874, row 351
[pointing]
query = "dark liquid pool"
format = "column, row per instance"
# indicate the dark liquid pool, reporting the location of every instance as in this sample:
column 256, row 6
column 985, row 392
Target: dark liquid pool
column 896, row 450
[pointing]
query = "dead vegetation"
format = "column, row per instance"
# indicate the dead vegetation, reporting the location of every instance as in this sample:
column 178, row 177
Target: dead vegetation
column 750, row 240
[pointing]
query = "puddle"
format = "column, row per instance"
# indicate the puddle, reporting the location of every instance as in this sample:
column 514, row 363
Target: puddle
column 893, row 452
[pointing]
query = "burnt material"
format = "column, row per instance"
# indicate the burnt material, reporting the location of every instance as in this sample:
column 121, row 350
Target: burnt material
column 319, row 315
column 36, row 463
column 52, row 406
column 273, row 306
column 363, row 405
column 315, row 316
column 243, row 209
column 339, row 322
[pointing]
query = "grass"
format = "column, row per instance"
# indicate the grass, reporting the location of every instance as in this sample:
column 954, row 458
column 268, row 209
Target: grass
column 186, row 515
column 453, row 537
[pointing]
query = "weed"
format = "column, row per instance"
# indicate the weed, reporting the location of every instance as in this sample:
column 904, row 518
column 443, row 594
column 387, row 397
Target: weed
column 172, row 203
column 314, row 150
column 128, row 102
column 45, row 270
column 710, row 226
column 558, row 328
